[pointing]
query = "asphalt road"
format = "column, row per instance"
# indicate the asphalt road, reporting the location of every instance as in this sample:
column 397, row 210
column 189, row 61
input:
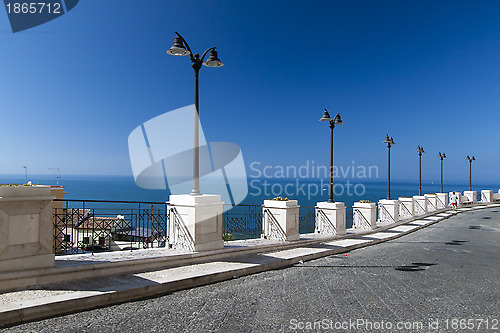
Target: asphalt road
column 444, row 278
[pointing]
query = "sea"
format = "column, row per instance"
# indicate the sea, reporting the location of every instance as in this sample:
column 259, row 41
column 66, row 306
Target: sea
column 307, row 192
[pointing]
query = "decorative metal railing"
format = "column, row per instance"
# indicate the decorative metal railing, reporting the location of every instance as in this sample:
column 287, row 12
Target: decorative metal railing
column 180, row 238
column 360, row 221
column 275, row 230
column 243, row 221
column 349, row 217
column 103, row 225
column 328, row 227
column 307, row 219
column 384, row 215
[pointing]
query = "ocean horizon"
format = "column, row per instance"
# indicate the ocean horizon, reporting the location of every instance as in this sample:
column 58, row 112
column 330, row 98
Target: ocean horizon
column 307, row 191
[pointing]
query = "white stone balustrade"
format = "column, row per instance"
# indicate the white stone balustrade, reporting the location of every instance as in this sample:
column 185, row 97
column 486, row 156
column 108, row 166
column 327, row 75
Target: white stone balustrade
column 388, row 211
column 364, row 215
column 471, row 196
column 25, row 228
column 196, row 222
column 442, row 200
column 406, row 208
column 487, row 196
column 496, row 196
column 431, row 201
column 330, row 218
column 283, row 213
column 420, row 204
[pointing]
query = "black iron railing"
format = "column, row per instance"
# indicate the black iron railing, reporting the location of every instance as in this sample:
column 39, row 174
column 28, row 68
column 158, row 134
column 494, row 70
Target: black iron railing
column 102, row 225
column 243, row 221
column 307, row 219
column 82, row 226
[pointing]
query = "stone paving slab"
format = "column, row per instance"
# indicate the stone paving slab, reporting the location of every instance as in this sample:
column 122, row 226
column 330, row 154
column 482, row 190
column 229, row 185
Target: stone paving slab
column 405, row 228
column 383, row 235
column 56, row 299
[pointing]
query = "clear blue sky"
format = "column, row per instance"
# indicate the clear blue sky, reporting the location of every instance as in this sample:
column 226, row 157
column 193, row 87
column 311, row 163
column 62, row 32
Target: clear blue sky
column 425, row 72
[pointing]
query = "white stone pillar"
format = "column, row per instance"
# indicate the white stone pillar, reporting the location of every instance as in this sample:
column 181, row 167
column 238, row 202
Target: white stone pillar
column 26, row 234
column 442, row 200
column 330, row 218
column 388, row 211
column 471, row 196
column 201, row 217
column 406, row 208
column 486, row 196
column 364, row 215
column 496, row 196
column 431, row 201
column 420, row 203
column 283, row 213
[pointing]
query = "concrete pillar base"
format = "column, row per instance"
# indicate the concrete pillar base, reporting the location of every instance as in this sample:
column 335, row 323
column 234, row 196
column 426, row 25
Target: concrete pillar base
column 25, row 228
column 442, row 200
column 471, row 196
column 420, row 205
column 196, row 222
column 330, row 214
column 364, row 215
column 406, row 208
column 388, row 211
column 283, row 213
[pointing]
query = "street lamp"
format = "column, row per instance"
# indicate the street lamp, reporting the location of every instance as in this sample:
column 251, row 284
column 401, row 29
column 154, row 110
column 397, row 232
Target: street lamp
column 389, row 142
column 442, row 157
column 420, row 150
column 181, row 48
column 470, row 170
column 335, row 121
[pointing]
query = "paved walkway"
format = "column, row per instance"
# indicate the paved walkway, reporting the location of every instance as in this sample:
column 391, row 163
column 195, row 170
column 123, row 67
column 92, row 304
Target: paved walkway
column 327, row 283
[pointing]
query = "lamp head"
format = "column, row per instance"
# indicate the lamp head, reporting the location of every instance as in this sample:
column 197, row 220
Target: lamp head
column 420, row 150
column 213, row 60
column 389, row 141
column 326, row 116
column 178, row 49
column 337, row 120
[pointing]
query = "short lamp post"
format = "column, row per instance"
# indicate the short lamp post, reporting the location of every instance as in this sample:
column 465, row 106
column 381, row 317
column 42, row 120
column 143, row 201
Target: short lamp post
column 442, row 157
column 335, row 121
column 181, row 48
column 390, row 142
column 420, row 151
column 470, row 159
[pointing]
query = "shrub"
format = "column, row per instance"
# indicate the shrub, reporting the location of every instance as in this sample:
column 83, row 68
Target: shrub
column 228, row 237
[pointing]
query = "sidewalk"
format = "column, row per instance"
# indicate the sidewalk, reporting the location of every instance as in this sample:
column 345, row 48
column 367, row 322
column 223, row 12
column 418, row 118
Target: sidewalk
column 82, row 282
